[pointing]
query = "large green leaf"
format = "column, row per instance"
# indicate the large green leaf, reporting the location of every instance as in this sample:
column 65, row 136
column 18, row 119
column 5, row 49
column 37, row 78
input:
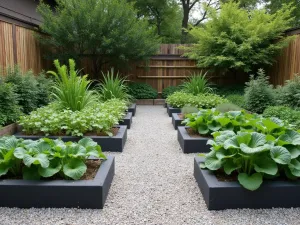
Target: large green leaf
column 39, row 159
column 270, row 125
column 213, row 163
column 4, row 167
column 294, row 167
column 265, row 165
column 87, row 142
column 19, row 153
column 243, row 138
column 290, row 137
column 31, row 173
column 203, row 129
column 250, row 182
column 294, row 150
column 53, row 168
column 248, row 150
column 230, row 166
column 224, row 154
column 214, row 125
column 231, row 143
column 74, row 168
column 280, row 155
column 257, row 139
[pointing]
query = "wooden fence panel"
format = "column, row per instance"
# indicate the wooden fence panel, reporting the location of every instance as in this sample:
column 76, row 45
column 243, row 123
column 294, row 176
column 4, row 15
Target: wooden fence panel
column 6, row 46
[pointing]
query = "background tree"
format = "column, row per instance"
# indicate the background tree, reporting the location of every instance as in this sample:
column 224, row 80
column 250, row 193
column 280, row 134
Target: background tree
column 238, row 39
column 274, row 5
column 105, row 31
column 164, row 15
column 247, row 4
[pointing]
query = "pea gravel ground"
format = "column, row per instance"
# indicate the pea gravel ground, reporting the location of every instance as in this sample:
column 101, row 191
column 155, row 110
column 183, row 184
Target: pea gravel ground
column 153, row 184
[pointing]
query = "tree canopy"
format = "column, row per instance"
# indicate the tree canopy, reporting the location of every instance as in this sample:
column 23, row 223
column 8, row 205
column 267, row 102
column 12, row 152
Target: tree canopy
column 238, row 39
column 106, row 31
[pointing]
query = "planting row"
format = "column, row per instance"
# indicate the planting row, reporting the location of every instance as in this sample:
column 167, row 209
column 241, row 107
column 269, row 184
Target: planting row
column 246, row 161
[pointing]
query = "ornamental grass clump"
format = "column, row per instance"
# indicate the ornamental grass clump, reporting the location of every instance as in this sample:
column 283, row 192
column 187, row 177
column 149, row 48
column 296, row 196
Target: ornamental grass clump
column 46, row 158
column 197, row 84
column 70, row 89
column 113, row 86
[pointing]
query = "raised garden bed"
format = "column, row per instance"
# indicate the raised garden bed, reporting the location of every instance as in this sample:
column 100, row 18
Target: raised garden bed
column 176, row 120
column 191, row 144
column 112, row 144
column 8, row 130
column 219, row 195
column 59, row 193
column 171, row 110
column 159, row 101
column 145, row 101
column 127, row 120
column 132, row 109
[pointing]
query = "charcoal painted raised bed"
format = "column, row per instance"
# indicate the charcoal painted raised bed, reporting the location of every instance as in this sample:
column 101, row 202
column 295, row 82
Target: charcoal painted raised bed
column 132, row 109
column 190, row 144
column 113, row 144
column 176, row 120
column 59, row 193
column 171, row 110
column 219, row 195
column 127, row 120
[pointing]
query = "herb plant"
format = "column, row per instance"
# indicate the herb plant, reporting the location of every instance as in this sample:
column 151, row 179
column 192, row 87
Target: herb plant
column 46, row 158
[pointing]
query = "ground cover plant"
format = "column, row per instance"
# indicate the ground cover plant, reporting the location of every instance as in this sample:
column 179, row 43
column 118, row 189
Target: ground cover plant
column 46, row 158
column 97, row 119
column 255, row 156
column 205, row 101
column 142, row 91
column 112, row 86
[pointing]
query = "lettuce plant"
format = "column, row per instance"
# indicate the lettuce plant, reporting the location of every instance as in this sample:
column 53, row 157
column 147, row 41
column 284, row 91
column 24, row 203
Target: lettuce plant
column 46, row 157
column 51, row 120
column 255, row 156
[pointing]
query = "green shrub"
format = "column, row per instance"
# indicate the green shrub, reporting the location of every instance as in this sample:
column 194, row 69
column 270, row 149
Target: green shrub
column 205, row 101
column 142, row 91
column 46, row 158
column 113, row 86
column 258, row 93
column 238, row 100
column 44, row 89
column 9, row 108
column 25, row 86
column 97, row 118
column 197, row 84
column 230, row 90
column 70, row 89
column 170, row 90
column 289, row 94
column 284, row 113
column 226, row 107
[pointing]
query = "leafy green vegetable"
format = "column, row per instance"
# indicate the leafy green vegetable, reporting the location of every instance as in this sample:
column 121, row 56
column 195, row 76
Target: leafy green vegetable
column 46, row 157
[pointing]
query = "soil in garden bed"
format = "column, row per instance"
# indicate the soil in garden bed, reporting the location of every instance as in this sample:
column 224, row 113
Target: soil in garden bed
column 92, row 168
column 195, row 134
column 114, row 131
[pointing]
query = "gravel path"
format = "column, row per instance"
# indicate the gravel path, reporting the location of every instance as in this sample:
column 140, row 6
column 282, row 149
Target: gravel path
column 153, row 184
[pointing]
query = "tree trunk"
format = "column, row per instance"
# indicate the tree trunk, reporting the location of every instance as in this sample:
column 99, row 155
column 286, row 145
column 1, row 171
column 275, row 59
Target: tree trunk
column 185, row 22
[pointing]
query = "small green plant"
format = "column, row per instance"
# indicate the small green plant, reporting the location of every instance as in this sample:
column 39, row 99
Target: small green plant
column 205, row 101
column 238, row 100
column 259, row 93
column 226, row 107
column 97, row 119
column 142, row 91
column 285, row 113
column 45, row 157
column 170, row 90
column 70, row 89
column 25, row 86
column 9, row 108
column 289, row 94
column 197, row 84
column 255, row 156
column 187, row 109
column 113, row 86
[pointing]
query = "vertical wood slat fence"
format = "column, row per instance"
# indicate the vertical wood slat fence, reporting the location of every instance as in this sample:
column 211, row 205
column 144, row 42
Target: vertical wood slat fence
column 19, row 46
